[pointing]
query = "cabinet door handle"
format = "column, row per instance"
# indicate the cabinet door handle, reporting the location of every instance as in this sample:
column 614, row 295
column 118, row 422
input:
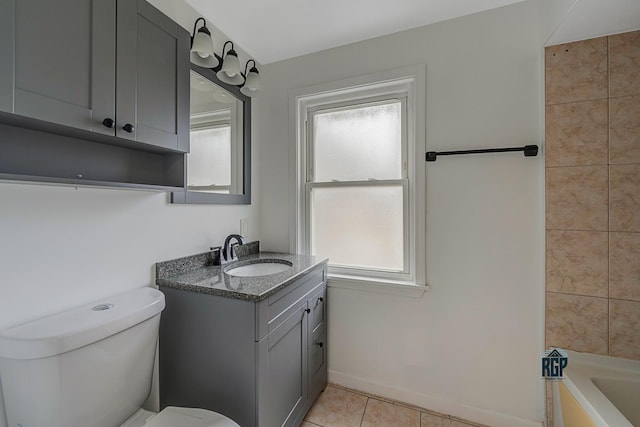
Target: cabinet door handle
column 320, row 344
column 128, row 128
column 307, row 310
column 108, row 122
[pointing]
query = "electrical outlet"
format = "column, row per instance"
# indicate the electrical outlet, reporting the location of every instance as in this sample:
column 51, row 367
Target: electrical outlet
column 244, row 227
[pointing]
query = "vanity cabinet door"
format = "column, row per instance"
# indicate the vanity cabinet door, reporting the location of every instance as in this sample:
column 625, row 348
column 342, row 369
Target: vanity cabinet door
column 58, row 61
column 283, row 371
column 152, row 77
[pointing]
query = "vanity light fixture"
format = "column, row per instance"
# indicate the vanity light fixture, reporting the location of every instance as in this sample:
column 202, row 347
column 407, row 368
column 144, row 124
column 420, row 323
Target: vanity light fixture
column 227, row 66
column 252, row 83
column 202, row 46
column 230, row 70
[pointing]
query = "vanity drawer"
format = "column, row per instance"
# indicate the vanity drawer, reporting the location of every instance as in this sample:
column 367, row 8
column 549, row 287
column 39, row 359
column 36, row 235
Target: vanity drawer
column 317, row 307
column 275, row 309
column 317, row 374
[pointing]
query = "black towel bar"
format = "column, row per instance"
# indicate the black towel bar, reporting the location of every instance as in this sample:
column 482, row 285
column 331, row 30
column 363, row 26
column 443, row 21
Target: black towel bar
column 529, row 151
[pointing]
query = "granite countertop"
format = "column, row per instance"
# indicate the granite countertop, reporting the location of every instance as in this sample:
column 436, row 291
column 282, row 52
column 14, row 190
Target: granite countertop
column 197, row 274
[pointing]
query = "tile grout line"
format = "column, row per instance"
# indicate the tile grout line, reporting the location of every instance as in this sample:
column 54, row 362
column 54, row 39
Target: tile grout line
column 420, row 410
column 363, row 412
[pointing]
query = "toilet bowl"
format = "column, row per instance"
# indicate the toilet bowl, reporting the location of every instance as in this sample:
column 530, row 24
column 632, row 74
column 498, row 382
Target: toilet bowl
column 90, row 366
column 172, row 416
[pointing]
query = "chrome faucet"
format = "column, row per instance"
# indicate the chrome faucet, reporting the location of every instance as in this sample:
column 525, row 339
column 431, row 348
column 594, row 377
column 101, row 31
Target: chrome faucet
column 227, row 249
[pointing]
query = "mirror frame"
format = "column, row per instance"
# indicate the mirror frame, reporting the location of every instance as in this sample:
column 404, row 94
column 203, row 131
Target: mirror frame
column 197, row 197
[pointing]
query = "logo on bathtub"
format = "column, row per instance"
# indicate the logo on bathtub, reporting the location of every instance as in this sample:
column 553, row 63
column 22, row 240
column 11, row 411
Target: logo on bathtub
column 554, row 361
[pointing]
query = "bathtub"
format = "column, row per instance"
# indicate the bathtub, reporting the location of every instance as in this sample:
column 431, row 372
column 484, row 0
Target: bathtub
column 598, row 391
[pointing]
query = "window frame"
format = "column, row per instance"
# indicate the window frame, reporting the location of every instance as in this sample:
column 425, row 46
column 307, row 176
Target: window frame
column 407, row 83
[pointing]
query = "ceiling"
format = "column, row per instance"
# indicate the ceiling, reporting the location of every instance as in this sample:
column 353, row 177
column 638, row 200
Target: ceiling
column 273, row 30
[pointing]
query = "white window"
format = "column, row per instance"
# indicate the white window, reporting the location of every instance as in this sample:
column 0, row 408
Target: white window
column 214, row 162
column 360, row 187
column 209, row 162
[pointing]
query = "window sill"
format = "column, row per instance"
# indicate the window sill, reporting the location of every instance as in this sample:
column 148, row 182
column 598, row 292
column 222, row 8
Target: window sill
column 367, row 284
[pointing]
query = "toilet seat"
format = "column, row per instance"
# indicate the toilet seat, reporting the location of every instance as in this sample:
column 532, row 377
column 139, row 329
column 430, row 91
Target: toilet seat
column 173, row 416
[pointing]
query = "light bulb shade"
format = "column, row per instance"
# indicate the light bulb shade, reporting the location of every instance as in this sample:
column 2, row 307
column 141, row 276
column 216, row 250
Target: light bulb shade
column 209, row 62
column 202, row 49
column 230, row 71
column 252, row 84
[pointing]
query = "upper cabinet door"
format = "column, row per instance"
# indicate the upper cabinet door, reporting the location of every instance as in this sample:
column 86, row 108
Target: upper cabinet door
column 58, row 61
column 152, row 90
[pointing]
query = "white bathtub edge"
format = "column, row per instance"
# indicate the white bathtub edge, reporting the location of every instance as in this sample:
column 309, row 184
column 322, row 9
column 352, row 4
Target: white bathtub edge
column 580, row 371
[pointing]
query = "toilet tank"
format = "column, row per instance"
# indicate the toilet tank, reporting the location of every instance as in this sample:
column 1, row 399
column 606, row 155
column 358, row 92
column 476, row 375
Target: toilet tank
column 90, row 366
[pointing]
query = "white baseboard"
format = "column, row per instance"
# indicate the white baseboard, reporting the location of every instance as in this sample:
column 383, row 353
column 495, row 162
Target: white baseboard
column 434, row 403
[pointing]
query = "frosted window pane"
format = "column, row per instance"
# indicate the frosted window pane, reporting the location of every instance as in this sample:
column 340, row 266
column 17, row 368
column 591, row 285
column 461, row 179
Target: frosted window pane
column 209, row 160
column 358, row 226
column 358, row 144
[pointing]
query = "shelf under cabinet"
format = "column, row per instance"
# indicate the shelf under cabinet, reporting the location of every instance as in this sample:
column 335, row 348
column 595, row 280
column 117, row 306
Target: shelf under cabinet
column 36, row 151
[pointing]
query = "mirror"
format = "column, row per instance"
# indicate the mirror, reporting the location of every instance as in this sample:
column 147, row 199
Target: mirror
column 218, row 166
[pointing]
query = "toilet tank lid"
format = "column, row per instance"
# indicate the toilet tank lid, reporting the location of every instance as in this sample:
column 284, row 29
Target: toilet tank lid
column 80, row 326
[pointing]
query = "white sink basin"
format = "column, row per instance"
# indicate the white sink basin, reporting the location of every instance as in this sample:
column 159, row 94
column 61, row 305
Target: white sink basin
column 261, row 268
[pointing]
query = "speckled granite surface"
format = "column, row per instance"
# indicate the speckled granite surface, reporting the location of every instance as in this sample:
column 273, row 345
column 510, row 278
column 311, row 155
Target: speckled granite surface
column 189, row 263
column 247, row 249
column 196, row 274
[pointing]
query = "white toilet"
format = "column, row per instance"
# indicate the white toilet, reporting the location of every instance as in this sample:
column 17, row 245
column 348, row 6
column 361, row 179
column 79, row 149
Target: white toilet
column 90, row 367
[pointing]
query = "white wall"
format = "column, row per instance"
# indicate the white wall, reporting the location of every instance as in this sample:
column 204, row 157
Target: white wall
column 588, row 19
column 62, row 246
column 555, row 13
column 470, row 346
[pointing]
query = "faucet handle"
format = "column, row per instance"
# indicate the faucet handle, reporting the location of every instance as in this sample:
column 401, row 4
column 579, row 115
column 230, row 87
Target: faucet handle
column 216, row 252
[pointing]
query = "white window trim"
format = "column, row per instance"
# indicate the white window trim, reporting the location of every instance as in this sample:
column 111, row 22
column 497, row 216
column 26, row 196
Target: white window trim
column 409, row 80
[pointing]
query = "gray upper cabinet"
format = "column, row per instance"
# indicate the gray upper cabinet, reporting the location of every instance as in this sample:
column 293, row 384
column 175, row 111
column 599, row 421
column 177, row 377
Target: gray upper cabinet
column 152, row 90
column 112, row 67
column 59, row 61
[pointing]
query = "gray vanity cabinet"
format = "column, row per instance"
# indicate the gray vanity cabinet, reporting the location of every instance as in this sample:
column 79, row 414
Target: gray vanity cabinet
column 260, row 363
column 282, row 382
column 111, row 67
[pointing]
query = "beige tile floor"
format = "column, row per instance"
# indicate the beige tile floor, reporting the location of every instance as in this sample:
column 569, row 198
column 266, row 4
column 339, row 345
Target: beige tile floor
column 340, row 407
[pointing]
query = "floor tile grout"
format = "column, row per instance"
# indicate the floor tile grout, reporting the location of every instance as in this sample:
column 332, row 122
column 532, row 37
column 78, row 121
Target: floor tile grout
column 365, row 411
column 380, row 399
